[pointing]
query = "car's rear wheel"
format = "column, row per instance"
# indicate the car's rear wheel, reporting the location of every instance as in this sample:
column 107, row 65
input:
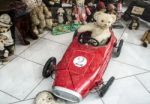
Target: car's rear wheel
column 117, row 53
column 105, row 87
column 49, row 67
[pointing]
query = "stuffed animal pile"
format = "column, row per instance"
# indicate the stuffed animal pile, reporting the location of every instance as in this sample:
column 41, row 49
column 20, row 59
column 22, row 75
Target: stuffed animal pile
column 101, row 28
column 6, row 40
column 41, row 18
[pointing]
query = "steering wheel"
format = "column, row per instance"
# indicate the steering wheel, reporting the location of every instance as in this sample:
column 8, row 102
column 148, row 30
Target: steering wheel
column 85, row 38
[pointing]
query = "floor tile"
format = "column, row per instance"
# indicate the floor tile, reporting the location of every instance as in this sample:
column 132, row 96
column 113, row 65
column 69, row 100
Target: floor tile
column 126, row 91
column 41, row 51
column 25, row 102
column 145, row 79
column 19, row 77
column 10, row 58
column 135, row 55
column 63, row 38
column 46, row 84
column 90, row 99
column 144, row 25
column 20, row 47
column 119, row 70
column 133, row 36
column 5, row 99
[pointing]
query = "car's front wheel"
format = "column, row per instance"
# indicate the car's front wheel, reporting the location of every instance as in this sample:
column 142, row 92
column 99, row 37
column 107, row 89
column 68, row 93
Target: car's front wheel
column 49, row 67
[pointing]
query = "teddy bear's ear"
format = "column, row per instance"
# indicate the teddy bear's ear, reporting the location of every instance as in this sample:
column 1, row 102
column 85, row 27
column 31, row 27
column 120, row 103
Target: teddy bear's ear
column 96, row 15
column 114, row 17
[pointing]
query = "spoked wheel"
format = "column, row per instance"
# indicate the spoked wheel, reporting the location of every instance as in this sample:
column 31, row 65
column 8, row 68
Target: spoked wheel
column 105, row 87
column 117, row 53
column 49, row 67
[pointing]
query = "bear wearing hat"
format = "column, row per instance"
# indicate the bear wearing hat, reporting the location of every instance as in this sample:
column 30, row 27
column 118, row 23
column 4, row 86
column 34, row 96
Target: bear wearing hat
column 5, row 25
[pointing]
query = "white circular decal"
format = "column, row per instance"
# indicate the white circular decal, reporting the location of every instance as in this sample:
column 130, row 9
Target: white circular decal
column 80, row 61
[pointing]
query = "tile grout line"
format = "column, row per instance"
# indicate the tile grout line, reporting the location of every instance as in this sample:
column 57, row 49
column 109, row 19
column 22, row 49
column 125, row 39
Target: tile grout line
column 10, row 95
column 8, row 62
column 30, row 60
column 21, row 101
column 142, row 84
column 54, row 41
column 37, row 40
column 137, row 45
column 34, row 88
column 130, row 76
column 132, row 65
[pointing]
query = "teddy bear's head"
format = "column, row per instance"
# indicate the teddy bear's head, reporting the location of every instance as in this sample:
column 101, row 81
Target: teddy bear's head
column 104, row 20
column 80, row 2
column 45, row 97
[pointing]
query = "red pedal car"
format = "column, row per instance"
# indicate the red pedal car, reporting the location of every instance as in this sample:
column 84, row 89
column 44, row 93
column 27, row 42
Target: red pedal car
column 82, row 67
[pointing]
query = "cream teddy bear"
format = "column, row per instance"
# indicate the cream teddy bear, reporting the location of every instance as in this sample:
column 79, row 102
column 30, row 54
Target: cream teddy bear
column 41, row 18
column 45, row 97
column 101, row 28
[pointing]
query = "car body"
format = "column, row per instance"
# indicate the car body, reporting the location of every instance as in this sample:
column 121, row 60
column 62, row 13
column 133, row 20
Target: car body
column 81, row 69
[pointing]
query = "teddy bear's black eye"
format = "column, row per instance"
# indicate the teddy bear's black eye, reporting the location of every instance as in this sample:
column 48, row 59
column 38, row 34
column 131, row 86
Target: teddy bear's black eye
column 102, row 20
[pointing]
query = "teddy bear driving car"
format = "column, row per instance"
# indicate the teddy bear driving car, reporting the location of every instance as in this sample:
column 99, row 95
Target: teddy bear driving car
column 101, row 28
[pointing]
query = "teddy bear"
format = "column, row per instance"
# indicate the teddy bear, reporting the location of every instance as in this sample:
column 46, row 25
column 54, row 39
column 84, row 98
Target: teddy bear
column 46, row 97
column 146, row 38
column 68, row 15
column 5, row 25
column 60, row 13
column 80, row 12
column 41, row 18
column 4, row 53
column 101, row 28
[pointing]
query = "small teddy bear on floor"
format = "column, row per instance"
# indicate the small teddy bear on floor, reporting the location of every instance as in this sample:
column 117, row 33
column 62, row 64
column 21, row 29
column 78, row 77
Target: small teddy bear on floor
column 146, row 38
column 46, row 97
column 101, row 28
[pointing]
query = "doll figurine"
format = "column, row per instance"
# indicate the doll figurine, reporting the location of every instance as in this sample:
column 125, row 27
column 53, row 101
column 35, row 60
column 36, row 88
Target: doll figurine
column 80, row 12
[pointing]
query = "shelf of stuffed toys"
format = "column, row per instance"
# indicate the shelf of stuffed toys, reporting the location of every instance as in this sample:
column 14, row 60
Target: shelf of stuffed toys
column 70, row 14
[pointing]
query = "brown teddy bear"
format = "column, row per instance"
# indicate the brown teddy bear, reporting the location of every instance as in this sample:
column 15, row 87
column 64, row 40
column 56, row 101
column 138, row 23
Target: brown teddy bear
column 41, row 18
column 146, row 38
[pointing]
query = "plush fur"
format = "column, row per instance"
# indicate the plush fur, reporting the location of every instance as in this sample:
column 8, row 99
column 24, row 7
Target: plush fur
column 100, row 28
column 146, row 38
column 46, row 97
column 60, row 13
column 5, row 25
column 41, row 18
column 4, row 53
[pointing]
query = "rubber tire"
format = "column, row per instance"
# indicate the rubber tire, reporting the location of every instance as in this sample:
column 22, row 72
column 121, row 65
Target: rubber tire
column 117, row 54
column 105, row 87
column 49, row 67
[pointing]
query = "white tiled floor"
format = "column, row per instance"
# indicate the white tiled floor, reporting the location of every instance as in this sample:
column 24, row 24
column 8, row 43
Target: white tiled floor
column 21, row 79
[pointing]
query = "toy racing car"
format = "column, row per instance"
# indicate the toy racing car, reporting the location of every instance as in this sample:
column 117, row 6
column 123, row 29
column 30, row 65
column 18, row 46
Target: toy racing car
column 82, row 67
